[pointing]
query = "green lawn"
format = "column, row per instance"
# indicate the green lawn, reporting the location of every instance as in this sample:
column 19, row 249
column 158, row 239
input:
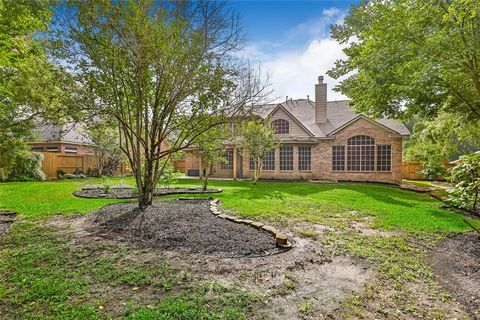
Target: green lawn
column 390, row 207
column 44, row 276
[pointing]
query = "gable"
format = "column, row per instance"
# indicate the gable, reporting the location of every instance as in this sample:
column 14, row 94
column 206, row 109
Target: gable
column 296, row 129
column 362, row 124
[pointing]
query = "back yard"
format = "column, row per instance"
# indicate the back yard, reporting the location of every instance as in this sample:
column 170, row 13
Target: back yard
column 360, row 251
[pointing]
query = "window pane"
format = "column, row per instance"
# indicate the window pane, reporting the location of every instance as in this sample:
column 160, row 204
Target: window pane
column 361, row 154
column 304, row 158
column 338, row 158
column 228, row 164
column 269, row 161
column 252, row 164
column 281, row 126
column 384, row 157
column 286, row 158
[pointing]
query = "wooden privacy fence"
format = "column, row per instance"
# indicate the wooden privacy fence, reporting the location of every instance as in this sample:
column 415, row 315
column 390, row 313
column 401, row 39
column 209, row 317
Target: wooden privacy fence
column 179, row 165
column 66, row 162
column 411, row 170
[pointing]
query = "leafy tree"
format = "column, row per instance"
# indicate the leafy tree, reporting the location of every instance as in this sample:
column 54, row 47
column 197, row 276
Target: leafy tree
column 211, row 150
column 466, row 177
column 411, row 57
column 256, row 139
column 160, row 69
column 30, row 85
column 434, row 142
column 107, row 147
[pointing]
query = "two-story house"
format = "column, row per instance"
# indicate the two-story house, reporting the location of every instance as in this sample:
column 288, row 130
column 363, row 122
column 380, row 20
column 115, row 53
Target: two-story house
column 320, row 140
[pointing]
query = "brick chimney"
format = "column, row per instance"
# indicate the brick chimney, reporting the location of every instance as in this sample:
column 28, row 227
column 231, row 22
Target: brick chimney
column 320, row 101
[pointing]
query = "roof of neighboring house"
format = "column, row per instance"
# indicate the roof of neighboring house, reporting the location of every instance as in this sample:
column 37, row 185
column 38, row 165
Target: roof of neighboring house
column 339, row 114
column 61, row 133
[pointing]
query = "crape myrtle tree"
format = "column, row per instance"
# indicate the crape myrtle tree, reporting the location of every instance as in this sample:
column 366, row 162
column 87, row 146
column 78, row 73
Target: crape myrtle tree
column 211, row 150
column 410, row 57
column 256, row 138
column 161, row 69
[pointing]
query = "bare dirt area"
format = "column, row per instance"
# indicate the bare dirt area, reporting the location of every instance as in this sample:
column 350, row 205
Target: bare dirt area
column 302, row 283
column 6, row 219
column 456, row 262
column 180, row 224
column 94, row 192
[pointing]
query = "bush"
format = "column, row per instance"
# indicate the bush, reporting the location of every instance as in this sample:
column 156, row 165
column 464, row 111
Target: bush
column 168, row 177
column 432, row 170
column 60, row 174
column 466, row 178
column 27, row 167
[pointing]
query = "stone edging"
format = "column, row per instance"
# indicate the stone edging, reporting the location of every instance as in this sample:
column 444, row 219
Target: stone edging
column 281, row 239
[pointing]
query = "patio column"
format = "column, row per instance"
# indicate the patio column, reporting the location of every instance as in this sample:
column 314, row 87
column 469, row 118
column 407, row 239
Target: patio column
column 234, row 163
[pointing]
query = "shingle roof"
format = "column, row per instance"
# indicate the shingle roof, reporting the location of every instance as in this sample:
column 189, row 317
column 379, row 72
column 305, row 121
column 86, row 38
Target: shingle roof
column 61, row 133
column 339, row 113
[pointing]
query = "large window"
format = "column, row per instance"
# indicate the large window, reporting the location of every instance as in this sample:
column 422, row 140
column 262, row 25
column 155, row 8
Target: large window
column 269, row 161
column 338, row 158
column 305, row 158
column 228, row 163
column 252, row 163
column 361, row 154
column 281, row 126
column 384, row 157
column 286, row 158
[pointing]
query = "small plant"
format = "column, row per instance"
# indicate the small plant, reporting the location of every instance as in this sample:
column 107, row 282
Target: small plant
column 60, row 174
column 306, row 308
column 168, row 177
column 106, row 185
column 308, row 233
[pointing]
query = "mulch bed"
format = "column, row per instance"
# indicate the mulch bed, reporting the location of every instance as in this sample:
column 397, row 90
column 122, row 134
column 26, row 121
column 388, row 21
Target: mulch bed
column 180, row 224
column 456, row 262
column 6, row 219
column 130, row 193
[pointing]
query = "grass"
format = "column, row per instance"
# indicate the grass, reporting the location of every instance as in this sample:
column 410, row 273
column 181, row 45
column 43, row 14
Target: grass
column 390, row 207
column 44, row 276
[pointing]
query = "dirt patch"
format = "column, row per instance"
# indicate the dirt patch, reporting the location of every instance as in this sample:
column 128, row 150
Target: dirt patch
column 6, row 219
column 293, row 285
column 456, row 262
column 130, row 193
column 180, row 224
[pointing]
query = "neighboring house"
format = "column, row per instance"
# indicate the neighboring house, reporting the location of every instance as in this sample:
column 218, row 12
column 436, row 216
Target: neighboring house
column 63, row 139
column 320, row 140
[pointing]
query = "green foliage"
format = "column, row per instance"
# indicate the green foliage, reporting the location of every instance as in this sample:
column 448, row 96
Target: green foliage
column 411, row 57
column 107, row 147
column 106, row 185
column 433, row 169
column 466, row 178
column 211, row 149
column 168, row 177
column 27, row 167
column 256, row 139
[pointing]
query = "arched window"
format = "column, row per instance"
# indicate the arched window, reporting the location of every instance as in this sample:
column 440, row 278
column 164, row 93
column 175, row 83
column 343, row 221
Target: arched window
column 281, row 126
column 361, row 153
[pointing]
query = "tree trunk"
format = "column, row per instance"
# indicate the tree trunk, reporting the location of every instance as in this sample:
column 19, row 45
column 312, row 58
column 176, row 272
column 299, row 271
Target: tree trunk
column 205, row 179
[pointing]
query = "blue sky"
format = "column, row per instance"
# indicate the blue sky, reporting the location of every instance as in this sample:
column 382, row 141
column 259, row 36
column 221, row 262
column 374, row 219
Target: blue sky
column 291, row 41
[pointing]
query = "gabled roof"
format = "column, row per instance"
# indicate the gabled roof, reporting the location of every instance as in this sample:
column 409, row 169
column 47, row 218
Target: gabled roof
column 339, row 114
column 61, row 133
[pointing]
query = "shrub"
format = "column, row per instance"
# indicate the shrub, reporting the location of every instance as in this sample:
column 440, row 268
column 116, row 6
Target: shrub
column 27, row 167
column 60, row 174
column 466, row 178
column 168, row 177
column 106, row 185
column 433, row 169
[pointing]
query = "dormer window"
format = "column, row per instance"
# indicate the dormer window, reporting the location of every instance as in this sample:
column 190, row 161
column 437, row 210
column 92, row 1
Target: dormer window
column 281, row 126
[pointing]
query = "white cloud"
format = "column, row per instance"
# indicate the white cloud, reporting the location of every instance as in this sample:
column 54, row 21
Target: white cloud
column 293, row 71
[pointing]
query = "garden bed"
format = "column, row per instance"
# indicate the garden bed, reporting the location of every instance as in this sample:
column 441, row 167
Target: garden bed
column 131, row 193
column 456, row 262
column 180, row 224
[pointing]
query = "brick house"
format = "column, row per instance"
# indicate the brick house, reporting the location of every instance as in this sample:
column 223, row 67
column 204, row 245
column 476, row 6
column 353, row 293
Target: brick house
column 323, row 140
column 63, row 139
